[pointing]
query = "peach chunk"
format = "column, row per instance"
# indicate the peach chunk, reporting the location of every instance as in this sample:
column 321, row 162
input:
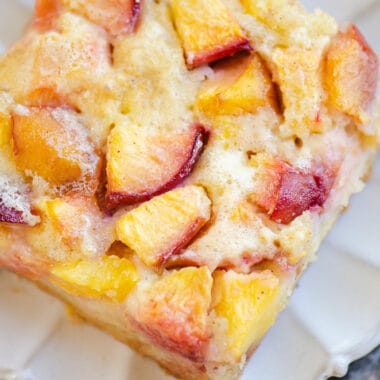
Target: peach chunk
column 174, row 312
column 350, row 75
column 207, row 30
column 241, row 85
column 249, row 304
column 110, row 276
column 46, row 97
column 162, row 226
column 287, row 192
column 60, row 67
column 68, row 219
column 52, row 144
column 118, row 17
column 14, row 202
column 297, row 73
column 45, row 14
column 141, row 165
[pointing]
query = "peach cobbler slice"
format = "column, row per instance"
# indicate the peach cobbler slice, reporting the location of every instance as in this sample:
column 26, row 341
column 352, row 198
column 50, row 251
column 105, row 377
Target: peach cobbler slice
column 169, row 168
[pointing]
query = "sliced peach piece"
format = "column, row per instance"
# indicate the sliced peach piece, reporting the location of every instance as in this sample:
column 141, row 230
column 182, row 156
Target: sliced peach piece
column 141, row 165
column 351, row 73
column 161, row 227
column 300, row 191
column 301, row 97
column 45, row 14
column 110, row 276
column 249, row 304
column 241, row 85
column 175, row 312
column 53, row 144
column 207, row 30
column 286, row 192
column 118, row 17
column 61, row 65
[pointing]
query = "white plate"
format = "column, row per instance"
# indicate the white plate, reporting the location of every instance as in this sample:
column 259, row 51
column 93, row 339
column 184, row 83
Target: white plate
column 333, row 317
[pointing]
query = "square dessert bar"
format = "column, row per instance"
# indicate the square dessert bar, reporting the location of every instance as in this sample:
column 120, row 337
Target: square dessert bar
column 169, row 168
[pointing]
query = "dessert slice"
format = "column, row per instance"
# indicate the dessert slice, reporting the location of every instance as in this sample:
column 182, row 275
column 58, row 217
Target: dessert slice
column 169, row 168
